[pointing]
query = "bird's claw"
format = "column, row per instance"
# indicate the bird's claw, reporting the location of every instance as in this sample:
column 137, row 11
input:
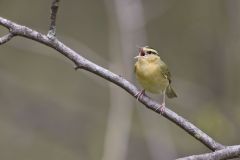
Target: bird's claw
column 161, row 108
column 139, row 94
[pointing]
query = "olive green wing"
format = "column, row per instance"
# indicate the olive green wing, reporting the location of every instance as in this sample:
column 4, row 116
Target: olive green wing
column 165, row 71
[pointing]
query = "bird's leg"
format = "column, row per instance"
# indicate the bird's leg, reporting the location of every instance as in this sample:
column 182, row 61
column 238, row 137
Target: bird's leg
column 139, row 94
column 162, row 106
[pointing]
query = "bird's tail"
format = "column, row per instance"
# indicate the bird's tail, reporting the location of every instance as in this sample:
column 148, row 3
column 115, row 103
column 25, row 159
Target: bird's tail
column 170, row 92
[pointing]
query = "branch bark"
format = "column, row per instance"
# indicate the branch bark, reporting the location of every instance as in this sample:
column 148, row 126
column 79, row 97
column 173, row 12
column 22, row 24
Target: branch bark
column 227, row 153
column 6, row 38
column 52, row 28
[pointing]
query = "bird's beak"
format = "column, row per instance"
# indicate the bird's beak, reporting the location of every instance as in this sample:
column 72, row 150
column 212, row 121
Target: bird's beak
column 137, row 56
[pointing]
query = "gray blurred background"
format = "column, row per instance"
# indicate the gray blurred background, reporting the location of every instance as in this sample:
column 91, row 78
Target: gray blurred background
column 50, row 111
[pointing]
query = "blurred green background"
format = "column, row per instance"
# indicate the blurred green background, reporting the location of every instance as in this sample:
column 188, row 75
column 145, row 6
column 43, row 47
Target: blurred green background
column 50, row 111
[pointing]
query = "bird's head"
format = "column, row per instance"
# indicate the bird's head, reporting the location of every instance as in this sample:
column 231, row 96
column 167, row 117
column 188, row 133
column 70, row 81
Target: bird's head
column 145, row 51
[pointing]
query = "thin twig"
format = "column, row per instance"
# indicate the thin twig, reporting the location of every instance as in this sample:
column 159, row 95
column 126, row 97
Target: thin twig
column 116, row 79
column 52, row 29
column 227, row 153
column 6, row 38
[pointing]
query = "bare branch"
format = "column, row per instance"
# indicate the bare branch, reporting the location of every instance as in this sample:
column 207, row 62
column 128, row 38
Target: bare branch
column 226, row 153
column 116, row 79
column 52, row 29
column 6, row 38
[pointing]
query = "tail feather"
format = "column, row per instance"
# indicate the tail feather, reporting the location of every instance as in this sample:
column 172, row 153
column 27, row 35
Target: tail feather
column 170, row 92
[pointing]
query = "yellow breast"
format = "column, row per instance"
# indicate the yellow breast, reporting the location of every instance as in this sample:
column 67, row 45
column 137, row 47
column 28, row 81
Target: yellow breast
column 149, row 74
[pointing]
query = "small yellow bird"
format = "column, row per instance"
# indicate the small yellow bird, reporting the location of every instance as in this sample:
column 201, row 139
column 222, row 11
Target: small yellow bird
column 153, row 75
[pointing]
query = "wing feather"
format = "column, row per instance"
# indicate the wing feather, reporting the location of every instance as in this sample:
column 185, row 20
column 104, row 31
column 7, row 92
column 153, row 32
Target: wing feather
column 165, row 72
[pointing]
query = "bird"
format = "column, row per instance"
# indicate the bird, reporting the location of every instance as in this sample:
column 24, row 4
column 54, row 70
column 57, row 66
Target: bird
column 153, row 75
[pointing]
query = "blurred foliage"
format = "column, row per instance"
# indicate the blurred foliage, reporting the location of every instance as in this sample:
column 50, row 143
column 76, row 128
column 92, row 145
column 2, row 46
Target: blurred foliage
column 50, row 111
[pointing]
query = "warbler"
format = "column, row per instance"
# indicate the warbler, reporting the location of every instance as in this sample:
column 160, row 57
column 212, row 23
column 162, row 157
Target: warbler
column 153, row 75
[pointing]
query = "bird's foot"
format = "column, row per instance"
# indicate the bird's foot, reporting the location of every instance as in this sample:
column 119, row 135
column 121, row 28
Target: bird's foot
column 139, row 94
column 161, row 108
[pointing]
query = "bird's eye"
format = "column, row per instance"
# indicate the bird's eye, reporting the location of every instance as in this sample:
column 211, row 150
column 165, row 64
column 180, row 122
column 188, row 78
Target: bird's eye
column 152, row 52
column 149, row 52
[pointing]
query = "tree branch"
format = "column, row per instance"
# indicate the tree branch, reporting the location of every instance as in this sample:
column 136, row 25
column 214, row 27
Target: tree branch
column 52, row 29
column 226, row 153
column 6, row 38
column 85, row 64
